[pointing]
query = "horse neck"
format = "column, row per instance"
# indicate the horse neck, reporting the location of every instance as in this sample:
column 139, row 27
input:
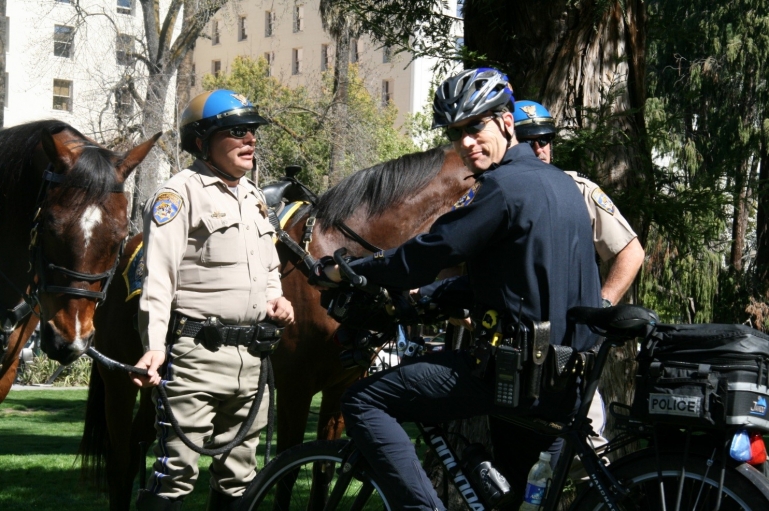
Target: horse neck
column 416, row 213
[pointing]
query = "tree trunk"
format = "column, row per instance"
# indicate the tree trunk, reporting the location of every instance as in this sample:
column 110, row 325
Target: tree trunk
column 151, row 173
column 3, row 49
column 740, row 218
column 339, row 108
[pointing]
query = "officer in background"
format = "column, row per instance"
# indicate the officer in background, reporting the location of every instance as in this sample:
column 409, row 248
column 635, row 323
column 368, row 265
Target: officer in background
column 612, row 235
column 525, row 238
column 211, row 277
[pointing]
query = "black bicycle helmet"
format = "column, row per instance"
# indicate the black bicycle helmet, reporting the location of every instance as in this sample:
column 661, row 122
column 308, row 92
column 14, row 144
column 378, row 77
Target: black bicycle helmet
column 212, row 111
column 471, row 93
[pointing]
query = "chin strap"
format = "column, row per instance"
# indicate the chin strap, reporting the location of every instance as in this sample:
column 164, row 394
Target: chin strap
column 221, row 172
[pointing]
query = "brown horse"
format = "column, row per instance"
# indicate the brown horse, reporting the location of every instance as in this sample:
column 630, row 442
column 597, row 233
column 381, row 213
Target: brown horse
column 385, row 204
column 62, row 223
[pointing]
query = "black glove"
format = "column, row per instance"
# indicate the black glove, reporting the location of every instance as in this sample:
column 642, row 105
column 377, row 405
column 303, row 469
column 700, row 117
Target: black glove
column 318, row 276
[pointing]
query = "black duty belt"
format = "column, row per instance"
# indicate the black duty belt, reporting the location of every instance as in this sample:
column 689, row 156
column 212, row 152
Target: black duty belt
column 260, row 338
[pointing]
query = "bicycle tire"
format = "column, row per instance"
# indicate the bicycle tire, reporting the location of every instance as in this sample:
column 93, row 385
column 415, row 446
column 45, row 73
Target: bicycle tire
column 700, row 486
column 286, row 483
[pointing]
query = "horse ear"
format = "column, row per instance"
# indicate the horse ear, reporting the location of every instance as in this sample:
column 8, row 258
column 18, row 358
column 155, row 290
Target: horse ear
column 58, row 153
column 135, row 156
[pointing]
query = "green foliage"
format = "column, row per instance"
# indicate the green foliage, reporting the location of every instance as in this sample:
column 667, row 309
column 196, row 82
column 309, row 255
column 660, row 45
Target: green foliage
column 300, row 129
column 41, row 368
column 707, row 78
column 419, row 124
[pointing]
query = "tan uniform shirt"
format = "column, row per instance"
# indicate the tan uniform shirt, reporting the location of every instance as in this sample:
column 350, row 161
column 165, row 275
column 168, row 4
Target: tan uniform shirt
column 208, row 253
column 611, row 232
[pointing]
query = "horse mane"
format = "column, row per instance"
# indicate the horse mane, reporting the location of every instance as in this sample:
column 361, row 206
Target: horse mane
column 379, row 187
column 85, row 183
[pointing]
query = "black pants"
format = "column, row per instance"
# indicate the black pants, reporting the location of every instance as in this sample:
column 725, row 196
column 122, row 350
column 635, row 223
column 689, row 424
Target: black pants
column 434, row 389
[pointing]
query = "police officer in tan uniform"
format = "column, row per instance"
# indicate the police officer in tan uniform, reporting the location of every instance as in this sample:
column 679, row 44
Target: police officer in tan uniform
column 211, row 278
column 612, row 235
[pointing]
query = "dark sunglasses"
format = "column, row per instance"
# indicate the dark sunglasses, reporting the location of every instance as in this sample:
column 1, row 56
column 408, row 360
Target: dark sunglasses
column 473, row 128
column 241, row 131
column 542, row 141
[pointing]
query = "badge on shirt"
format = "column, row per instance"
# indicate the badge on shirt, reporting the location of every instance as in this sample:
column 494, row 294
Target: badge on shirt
column 603, row 201
column 468, row 197
column 166, row 207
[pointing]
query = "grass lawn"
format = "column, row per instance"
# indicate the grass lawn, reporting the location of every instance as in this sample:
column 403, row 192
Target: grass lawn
column 39, row 434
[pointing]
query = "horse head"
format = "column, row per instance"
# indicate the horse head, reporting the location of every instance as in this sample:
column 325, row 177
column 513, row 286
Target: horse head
column 78, row 233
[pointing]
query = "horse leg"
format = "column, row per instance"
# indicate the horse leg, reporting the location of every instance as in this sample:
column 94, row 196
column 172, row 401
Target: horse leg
column 10, row 362
column 292, row 414
column 330, row 421
column 120, row 397
column 142, row 430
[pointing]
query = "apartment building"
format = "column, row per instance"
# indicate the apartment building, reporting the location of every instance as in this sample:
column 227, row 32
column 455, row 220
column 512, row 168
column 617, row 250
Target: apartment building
column 289, row 35
column 69, row 59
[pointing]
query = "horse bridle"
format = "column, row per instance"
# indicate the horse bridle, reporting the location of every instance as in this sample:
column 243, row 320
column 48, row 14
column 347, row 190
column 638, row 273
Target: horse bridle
column 41, row 265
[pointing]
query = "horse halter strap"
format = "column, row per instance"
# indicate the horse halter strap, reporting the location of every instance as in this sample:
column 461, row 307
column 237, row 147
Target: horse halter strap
column 40, row 264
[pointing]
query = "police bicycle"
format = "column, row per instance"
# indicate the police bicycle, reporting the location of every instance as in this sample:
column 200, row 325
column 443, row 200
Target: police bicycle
column 682, row 466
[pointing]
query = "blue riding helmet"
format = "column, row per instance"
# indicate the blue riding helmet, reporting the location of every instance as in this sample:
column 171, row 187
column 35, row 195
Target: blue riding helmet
column 532, row 120
column 212, row 111
column 471, row 93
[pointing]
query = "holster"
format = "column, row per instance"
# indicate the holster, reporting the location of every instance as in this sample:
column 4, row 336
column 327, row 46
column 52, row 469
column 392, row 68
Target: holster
column 540, row 343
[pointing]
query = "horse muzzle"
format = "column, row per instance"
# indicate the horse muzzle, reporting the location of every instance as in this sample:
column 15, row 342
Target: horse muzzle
column 58, row 347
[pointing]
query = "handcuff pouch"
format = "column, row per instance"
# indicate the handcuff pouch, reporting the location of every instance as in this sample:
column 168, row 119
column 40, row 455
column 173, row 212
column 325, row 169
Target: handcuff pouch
column 540, row 342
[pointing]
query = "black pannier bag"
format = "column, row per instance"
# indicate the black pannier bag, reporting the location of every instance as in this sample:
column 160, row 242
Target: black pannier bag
column 705, row 375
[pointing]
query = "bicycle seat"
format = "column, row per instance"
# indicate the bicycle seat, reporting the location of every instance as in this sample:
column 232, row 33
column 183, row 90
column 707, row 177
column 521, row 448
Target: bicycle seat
column 626, row 321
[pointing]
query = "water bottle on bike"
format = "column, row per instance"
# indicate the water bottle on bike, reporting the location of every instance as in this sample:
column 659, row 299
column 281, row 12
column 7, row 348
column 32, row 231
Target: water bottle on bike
column 536, row 484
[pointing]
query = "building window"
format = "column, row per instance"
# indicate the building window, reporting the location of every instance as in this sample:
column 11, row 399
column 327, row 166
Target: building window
column 325, row 62
column 62, row 95
column 124, row 7
column 215, row 32
column 124, row 49
column 192, row 75
column 64, row 1
column 387, row 55
column 270, row 58
column 296, row 61
column 269, row 23
column 460, row 42
column 216, row 67
column 460, row 8
column 354, row 51
column 124, row 102
column 387, row 92
column 242, row 35
column 298, row 18
column 63, row 39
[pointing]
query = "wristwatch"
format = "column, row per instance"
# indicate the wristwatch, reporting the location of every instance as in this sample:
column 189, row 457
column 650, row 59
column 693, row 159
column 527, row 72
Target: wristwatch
column 605, row 302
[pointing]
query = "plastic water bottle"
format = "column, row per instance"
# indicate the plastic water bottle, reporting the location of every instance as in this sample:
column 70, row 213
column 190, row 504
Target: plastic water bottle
column 539, row 476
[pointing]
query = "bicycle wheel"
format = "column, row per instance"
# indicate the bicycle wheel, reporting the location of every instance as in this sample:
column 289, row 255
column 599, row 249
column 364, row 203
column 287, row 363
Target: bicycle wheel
column 699, row 488
column 303, row 477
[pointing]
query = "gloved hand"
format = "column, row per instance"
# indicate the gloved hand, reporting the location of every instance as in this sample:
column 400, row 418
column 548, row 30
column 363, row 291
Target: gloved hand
column 318, row 276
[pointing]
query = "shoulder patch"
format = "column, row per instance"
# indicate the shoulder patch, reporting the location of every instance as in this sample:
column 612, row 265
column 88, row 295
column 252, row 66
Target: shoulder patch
column 468, row 197
column 603, row 201
column 166, row 207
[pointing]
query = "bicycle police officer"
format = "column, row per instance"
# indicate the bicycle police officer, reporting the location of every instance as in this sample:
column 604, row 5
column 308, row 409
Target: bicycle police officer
column 524, row 235
column 211, row 275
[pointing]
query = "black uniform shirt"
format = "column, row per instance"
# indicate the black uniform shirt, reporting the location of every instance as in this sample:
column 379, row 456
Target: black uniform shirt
column 526, row 240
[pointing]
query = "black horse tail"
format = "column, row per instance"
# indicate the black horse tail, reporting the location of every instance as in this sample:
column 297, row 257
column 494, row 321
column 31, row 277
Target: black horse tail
column 94, row 444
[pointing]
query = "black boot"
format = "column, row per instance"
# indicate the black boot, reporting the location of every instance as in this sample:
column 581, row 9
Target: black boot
column 218, row 501
column 147, row 501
